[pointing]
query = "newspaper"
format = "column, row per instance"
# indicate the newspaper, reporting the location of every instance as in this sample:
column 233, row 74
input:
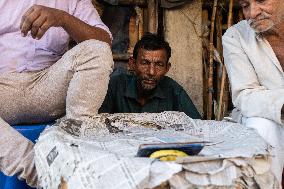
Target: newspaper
column 101, row 153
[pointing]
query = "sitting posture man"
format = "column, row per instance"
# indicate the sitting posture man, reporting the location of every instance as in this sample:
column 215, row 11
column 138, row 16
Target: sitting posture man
column 38, row 81
column 254, row 57
column 149, row 90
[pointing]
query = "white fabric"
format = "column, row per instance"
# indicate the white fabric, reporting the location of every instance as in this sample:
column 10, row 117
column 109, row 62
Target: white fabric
column 273, row 133
column 24, row 54
column 100, row 153
column 75, row 85
column 256, row 76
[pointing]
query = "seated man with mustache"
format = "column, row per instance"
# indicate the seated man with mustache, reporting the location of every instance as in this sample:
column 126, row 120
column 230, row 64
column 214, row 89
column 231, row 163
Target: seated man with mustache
column 254, row 58
column 149, row 90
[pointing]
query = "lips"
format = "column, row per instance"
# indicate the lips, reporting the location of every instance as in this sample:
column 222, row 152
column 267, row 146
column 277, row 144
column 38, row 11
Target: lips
column 149, row 82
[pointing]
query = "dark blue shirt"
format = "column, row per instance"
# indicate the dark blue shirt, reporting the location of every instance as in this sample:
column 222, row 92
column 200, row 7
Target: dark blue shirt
column 122, row 97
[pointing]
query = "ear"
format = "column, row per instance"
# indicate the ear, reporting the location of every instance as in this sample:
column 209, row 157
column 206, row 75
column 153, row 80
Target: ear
column 131, row 64
column 168, row 66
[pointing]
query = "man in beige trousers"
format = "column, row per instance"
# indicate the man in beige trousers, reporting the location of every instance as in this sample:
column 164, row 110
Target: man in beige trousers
column 39, row 80
column 254, row 58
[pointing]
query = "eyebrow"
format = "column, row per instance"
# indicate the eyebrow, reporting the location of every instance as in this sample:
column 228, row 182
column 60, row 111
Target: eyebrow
column 242, row 1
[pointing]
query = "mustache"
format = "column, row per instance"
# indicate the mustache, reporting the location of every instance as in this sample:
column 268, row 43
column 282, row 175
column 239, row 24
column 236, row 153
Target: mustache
column 260, row 17
column 149, row 79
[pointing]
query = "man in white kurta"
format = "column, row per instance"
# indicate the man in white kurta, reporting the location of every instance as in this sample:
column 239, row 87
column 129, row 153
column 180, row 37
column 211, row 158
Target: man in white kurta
column 254, row 58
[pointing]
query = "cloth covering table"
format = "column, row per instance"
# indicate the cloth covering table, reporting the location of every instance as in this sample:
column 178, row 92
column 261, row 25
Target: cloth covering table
column 100, row 153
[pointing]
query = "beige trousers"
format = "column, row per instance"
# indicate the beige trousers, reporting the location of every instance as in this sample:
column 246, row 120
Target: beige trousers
column 76, row 86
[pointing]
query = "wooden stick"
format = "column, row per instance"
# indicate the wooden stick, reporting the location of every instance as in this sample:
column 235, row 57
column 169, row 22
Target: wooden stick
column 205, row 55
column 230, row 16
column 219, row 32
column 224, row 73
column 133, row 32
column 140, row 17
column 152, row 16
column 211, row 59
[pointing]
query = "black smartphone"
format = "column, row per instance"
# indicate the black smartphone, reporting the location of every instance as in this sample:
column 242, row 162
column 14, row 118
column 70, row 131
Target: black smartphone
column 145, row 150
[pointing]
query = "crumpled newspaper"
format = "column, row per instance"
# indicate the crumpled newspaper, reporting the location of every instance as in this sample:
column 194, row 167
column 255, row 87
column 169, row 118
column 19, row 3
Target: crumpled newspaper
column 100, row 153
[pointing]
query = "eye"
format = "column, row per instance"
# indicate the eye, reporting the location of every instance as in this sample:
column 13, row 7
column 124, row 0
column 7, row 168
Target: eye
column 261, row 1
column 245, row 5
column 160, row 64
column 145, row 62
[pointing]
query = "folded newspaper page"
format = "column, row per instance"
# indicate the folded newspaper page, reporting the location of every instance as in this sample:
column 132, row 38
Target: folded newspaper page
column 101, row 153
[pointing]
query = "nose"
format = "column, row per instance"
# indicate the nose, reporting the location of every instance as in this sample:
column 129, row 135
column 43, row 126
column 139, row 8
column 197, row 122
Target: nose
column 151, row 69
column 255, row 10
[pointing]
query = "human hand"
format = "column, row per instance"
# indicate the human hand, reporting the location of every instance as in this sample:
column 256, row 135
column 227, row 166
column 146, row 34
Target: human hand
column 38, row 19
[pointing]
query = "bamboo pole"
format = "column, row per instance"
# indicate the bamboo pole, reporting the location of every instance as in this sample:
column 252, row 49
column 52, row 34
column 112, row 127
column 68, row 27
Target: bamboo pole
column 224, row 73
column 140, row 17
column 211, row 59
column 219, row 32
column 205, row 55
column 133, row 32
column 152, row 16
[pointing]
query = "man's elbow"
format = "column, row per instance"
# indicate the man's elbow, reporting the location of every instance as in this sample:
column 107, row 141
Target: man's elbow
column 102, row 35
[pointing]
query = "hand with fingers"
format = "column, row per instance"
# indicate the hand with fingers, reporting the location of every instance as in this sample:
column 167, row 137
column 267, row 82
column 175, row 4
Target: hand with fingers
column 38, row 19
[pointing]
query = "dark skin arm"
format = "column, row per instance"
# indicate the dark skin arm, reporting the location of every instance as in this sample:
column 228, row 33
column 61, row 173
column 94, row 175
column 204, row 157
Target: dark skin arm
column 38, row 19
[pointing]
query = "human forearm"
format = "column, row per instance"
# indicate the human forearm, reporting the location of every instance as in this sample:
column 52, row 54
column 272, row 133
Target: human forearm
column 38, row 19
column 81, row 31
column 260, row 102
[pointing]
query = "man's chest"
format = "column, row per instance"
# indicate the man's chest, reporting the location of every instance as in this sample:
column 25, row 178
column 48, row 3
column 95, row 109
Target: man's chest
column 279, row 52
column 11, row 12
column 153, row 105
column 278, row 49
column 265, row 61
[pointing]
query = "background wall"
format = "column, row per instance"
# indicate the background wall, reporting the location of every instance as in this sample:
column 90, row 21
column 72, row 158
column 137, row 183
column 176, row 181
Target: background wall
column 182, row 31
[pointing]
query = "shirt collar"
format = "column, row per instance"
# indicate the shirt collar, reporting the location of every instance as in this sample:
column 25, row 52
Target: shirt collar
column 131, row 90
column 259, row 36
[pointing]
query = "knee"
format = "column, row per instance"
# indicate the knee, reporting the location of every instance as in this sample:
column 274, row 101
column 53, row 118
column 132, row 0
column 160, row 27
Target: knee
column 97, row 47
column 93, row 54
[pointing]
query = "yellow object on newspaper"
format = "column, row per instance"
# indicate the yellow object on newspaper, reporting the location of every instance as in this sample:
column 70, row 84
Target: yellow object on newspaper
column 168, row 155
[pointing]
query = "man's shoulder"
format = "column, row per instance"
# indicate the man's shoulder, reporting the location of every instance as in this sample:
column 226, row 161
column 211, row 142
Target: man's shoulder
column 120, row 78
column 241, row 30
column 170, row 83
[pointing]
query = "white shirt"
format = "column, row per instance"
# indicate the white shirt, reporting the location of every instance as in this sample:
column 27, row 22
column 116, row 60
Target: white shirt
column 20, row 54
column 256, row 76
